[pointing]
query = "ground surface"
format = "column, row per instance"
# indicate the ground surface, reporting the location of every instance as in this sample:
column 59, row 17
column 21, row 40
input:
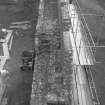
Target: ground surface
column 97, row 29
column 19, row 84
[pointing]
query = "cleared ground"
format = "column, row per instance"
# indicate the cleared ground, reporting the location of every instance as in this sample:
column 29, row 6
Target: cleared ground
column 19, row 83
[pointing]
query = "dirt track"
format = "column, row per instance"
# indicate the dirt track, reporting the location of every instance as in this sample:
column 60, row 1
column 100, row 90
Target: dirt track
column 19, row 85
column 20, row 82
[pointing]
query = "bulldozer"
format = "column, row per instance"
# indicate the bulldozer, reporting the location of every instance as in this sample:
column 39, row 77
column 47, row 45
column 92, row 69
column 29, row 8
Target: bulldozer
column 27, row 59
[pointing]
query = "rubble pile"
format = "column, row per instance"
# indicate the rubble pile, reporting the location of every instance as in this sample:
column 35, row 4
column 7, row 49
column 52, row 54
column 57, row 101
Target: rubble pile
column 52, row 76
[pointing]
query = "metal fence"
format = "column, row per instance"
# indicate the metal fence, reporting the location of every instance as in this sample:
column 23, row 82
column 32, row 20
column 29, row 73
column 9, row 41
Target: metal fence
column 84, row 42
